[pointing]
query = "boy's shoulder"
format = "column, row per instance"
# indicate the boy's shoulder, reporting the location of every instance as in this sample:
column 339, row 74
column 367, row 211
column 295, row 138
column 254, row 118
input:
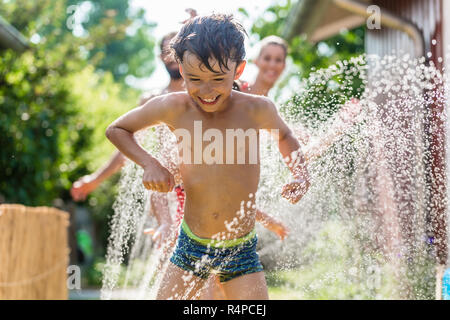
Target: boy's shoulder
column 252, row 100
column 255, row 104
column 260, row 109
column 179, row 96
column 168, row 106
column 178, row 104
column 176, row 101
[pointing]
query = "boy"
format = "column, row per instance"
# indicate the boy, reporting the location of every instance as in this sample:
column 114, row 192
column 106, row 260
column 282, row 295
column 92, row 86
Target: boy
column 217, row 233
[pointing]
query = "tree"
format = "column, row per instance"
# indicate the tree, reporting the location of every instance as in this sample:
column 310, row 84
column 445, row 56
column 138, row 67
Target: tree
column 43, row 128
column 130, row 53
column 36, row 108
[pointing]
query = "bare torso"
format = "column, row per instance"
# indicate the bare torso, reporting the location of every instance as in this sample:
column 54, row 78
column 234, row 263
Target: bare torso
column 218, row 193
column 221, row 179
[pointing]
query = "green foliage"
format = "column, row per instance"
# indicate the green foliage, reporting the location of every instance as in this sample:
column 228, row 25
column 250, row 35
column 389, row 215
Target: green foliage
column 101, row 101
column 53, row 108
column 108, row 33
column 273, row 20
column 94, row 275
column 334, row 268
column 38, row 116
column 325, row 91
column 100, row 205
column 130, row 52
column 126, row 274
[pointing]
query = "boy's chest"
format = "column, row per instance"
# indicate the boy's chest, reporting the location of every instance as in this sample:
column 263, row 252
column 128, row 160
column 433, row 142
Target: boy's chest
column 195, row 123
column 228, row 140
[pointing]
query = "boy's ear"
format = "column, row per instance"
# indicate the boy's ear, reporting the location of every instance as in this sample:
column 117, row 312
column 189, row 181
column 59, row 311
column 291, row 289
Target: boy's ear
column 180, row 68
column 240, row 69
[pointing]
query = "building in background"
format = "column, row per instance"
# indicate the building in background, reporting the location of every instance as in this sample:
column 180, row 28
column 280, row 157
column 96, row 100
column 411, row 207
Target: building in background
column 10, row 38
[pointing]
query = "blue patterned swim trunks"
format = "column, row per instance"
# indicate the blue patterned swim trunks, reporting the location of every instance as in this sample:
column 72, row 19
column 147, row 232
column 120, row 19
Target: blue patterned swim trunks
column 228, row 258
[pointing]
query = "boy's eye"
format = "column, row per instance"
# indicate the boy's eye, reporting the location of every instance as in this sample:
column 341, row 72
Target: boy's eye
column 194, row 79
column 218, row 79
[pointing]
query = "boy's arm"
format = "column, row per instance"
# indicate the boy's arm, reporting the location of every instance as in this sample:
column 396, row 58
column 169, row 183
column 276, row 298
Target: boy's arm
column 161, row 109
column 289, row 148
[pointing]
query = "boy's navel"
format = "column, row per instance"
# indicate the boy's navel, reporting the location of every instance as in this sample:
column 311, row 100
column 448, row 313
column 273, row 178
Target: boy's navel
column 215, row 215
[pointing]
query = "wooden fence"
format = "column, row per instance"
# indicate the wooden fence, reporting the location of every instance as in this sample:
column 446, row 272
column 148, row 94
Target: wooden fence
column 34, row 253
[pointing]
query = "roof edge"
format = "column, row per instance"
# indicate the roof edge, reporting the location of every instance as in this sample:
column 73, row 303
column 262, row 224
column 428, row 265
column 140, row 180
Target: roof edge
column 304, row 17
column 11, row 38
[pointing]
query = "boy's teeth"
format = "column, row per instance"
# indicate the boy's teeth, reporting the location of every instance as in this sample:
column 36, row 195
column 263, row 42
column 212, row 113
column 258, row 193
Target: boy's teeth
column 209, row 100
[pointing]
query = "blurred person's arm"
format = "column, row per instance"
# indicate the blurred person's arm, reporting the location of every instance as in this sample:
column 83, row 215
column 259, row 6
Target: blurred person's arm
column 347, row 116
column 159, row 206
column 272, row 224
column 88, row 183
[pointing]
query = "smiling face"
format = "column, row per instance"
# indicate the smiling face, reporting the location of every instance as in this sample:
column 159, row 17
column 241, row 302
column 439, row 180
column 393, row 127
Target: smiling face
column 271, row 62
column 210, row 90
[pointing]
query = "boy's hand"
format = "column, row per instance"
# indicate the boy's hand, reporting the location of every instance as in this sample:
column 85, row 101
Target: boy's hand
column 157, row 178
column 82, row 187
column 295, row 190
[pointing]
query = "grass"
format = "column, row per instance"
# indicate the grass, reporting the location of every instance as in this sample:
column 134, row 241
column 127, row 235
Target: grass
column 334, row 269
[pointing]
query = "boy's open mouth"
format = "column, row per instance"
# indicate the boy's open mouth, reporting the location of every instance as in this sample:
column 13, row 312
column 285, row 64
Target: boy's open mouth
column 209, row 101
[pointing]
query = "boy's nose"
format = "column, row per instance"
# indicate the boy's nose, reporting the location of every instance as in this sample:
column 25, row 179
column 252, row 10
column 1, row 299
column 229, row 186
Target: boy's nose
column 206, row 89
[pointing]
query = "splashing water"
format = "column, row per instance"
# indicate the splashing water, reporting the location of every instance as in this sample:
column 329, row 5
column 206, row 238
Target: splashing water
column 132, row 215
column 362, row 231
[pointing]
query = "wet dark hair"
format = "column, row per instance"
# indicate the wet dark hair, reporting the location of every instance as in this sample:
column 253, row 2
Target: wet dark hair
column 217, row 36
